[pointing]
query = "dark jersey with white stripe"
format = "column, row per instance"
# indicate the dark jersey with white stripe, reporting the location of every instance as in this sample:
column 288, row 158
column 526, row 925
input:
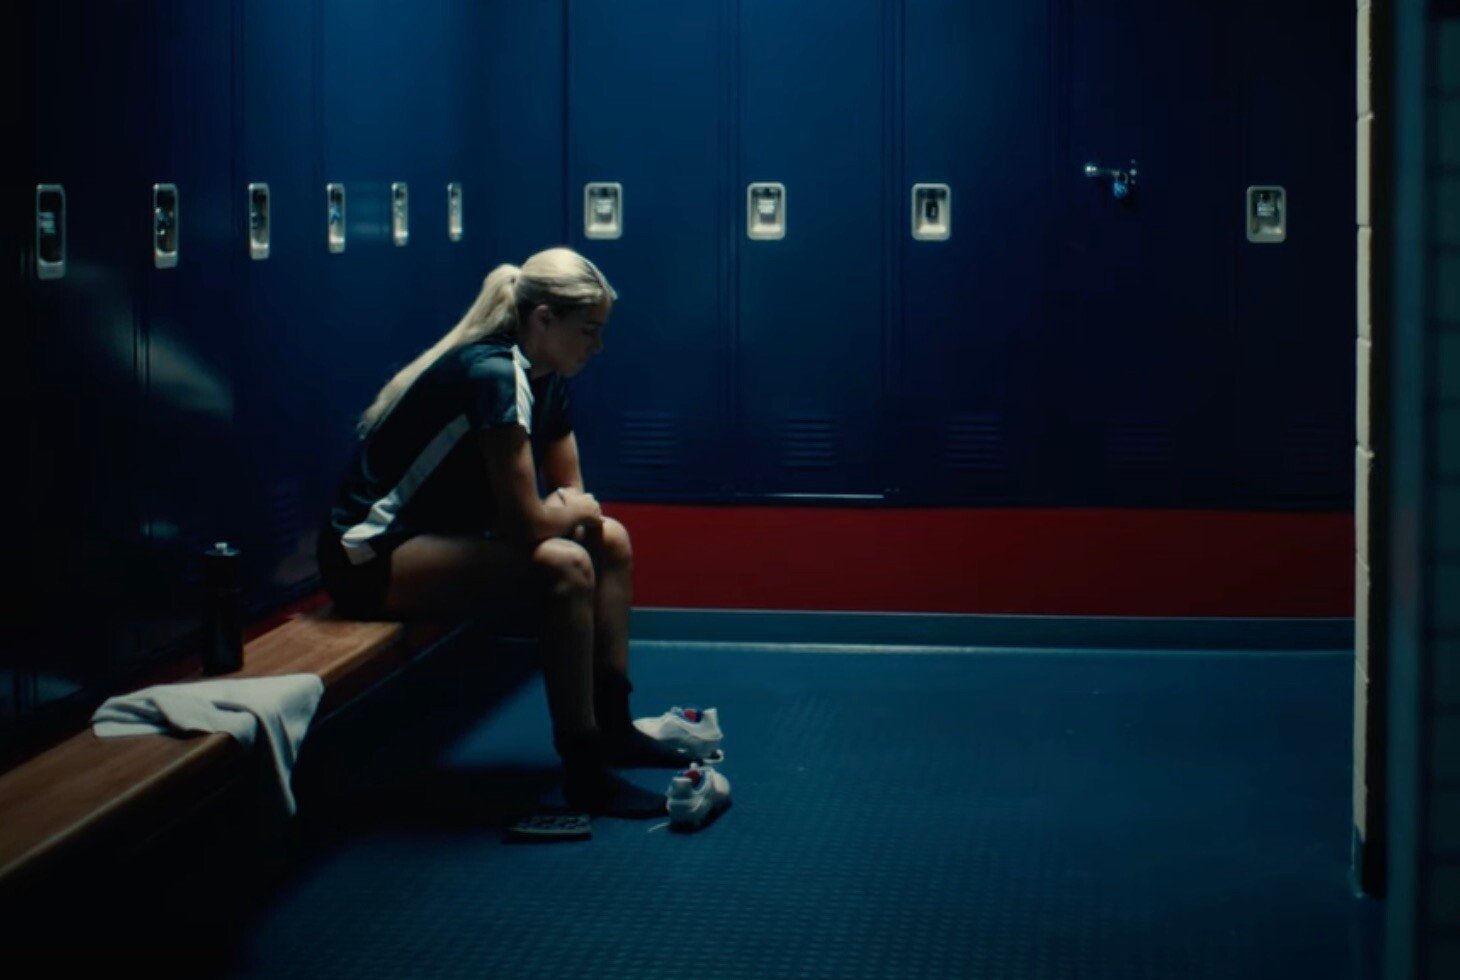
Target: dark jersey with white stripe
column 419, row 471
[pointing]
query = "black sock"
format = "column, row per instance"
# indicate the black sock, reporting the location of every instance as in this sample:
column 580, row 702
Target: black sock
column 589, row 786
column 611, row 700
column 624, row 745
column 633, row 750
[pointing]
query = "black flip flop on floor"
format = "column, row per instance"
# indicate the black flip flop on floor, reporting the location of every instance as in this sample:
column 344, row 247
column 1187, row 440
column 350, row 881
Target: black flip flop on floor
column 545, row 827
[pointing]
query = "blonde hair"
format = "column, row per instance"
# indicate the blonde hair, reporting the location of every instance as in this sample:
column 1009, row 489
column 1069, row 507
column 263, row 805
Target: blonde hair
column 558, row 277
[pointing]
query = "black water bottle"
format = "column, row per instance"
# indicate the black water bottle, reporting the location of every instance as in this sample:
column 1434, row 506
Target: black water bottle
column 222, row 615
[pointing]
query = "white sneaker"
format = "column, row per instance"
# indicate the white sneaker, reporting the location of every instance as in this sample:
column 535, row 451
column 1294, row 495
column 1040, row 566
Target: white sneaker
column 695, row 793
column 693, row 733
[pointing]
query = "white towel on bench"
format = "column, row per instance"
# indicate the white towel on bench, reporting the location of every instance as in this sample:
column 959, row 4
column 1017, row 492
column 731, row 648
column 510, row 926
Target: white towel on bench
column 281, row 707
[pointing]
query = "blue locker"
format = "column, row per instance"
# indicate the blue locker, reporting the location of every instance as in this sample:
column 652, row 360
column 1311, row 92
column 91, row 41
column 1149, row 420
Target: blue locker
column 488, row 115
column 383, row 116
column 646, row 94
column 80, row 453
column 975, row 417
column 1294, row 310
column 810, row 366
column 486, row 91
column 191, row 343
column 16, row 401
column 510, row 123
column 284, row 370
column 455, row 92
column 360, row 289
column 1143, row 316
column 364, row 117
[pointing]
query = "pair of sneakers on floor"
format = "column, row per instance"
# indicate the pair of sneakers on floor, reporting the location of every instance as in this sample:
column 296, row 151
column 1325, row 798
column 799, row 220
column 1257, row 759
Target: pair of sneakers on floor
column 684, row 739
column 696, row 792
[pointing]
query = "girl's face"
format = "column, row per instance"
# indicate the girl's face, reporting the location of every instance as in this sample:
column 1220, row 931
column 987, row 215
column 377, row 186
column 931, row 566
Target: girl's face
column 571, row 340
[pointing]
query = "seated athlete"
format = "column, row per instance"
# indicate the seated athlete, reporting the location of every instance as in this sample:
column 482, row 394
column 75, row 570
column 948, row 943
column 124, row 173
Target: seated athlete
column 440, row 514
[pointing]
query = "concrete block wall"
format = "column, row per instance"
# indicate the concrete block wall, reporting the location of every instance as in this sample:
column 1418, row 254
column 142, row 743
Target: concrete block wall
column 1369, row 459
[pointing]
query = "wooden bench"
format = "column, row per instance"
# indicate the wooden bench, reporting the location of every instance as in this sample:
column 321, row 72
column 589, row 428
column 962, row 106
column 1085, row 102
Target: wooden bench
column 90, row 797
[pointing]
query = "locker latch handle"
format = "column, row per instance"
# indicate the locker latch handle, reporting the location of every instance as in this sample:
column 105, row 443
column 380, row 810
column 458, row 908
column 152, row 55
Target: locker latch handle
column 50, row 231
column 334, row 195
column 454, row 212
column 400, row 213
column 164, row 226
column 258, row 221
column 1122, row 182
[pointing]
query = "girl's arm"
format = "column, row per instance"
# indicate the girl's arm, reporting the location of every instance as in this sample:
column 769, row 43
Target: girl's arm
column 560, row 463
column 513, row 475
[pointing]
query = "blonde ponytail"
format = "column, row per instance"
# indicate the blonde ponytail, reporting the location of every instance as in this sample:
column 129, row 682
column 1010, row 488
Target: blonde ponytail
column 558, row 277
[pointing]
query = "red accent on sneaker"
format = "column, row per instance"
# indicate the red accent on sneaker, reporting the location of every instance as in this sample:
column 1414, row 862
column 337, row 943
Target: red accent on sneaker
column 691, row 715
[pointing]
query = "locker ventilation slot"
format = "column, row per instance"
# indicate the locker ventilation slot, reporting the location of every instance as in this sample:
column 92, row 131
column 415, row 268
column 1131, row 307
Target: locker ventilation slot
column 1316, row 463
column 1143, row 448
column 976, row 444
column 808, row 443
column 648, row 439
column 1311, row 448
column 285, row 504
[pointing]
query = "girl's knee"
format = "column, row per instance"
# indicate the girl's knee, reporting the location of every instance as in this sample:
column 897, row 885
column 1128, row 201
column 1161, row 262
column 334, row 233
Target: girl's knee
column 567, row 568
column 617, row 549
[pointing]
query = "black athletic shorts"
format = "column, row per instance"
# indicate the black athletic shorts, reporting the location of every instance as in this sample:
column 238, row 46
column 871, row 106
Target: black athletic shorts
column 357, row 590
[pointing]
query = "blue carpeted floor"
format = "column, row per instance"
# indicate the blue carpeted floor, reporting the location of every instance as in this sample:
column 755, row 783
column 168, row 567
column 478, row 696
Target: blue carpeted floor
column 979, row 814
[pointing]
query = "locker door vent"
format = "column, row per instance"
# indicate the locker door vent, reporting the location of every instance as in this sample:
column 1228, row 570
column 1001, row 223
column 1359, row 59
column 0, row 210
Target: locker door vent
column 1140, row 448
column 285, row 508
column 1313, row 447
column 647, row 440
column 976, row 444
column 808, row 442
column 1316, row 462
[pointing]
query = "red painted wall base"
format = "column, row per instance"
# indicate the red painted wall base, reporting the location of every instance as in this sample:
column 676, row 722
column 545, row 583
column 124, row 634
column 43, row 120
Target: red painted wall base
column 1011, row 562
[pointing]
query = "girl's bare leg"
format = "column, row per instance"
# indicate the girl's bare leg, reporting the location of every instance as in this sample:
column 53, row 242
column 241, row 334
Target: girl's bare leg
column 437, row 574
column 613, row 563
column 444, row 575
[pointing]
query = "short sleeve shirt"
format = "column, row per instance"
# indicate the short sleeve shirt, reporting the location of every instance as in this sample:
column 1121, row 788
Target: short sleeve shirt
column 418, row 472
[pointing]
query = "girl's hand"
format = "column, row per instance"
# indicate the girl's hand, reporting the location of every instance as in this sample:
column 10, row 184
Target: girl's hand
column 583, row 505
column 587, row 509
